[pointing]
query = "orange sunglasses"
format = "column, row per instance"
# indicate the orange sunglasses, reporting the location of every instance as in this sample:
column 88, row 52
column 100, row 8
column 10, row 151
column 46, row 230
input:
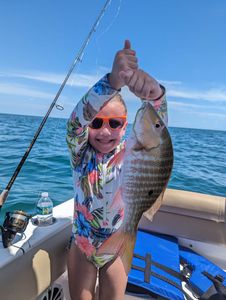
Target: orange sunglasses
column 114, row 122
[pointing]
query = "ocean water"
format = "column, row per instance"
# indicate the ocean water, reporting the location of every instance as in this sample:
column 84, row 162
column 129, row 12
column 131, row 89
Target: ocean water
column 199, row 161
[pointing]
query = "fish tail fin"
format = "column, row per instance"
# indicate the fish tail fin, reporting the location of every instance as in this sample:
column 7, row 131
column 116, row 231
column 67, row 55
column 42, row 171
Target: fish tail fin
column 119, row 244
column 149, row 214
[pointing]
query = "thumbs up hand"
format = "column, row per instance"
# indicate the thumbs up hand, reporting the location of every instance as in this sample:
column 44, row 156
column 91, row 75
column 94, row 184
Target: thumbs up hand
column 124, row 65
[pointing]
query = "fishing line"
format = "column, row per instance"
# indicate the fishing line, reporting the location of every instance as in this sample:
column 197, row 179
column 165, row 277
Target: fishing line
column 112, row 22
column 77, row 59
column 105, row 31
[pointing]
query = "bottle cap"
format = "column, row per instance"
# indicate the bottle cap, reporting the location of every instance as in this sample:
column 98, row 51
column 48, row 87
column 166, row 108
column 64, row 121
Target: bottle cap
column 44, row 194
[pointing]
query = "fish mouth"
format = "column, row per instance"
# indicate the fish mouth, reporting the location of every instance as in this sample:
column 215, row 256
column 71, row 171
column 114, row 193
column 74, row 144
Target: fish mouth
column 138, row 146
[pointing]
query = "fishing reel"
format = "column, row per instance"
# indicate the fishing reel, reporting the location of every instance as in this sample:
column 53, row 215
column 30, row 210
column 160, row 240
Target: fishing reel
column 15, row 222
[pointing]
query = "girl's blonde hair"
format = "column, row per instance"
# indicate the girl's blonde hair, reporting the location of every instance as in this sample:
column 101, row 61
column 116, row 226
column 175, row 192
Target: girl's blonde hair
column 118, row 97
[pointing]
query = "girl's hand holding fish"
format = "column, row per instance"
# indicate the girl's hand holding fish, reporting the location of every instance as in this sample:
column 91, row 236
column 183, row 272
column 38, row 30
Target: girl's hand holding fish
column 125, row 63
column 144, row 86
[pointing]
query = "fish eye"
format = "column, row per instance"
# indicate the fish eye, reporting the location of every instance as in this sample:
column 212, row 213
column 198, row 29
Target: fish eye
column 150, row 193
column 157, row 125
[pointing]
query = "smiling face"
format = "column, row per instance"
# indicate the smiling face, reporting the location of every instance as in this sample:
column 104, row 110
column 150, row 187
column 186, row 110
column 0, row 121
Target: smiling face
column 105, row 139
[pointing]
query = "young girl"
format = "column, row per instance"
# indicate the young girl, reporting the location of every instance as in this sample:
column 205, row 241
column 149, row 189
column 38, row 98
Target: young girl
column 95, row 130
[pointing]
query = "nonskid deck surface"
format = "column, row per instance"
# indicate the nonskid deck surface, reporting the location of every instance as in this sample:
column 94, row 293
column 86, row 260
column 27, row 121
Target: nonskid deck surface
column 63, row 281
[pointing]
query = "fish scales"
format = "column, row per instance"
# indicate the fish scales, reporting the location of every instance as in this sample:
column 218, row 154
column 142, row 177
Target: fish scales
column 146, row 172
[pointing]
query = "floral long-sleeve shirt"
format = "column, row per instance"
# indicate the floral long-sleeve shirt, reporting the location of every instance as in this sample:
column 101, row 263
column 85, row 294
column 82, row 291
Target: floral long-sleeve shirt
column 95, row 183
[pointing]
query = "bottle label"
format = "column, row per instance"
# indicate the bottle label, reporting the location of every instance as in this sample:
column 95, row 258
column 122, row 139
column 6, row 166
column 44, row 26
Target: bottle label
column 44, row 210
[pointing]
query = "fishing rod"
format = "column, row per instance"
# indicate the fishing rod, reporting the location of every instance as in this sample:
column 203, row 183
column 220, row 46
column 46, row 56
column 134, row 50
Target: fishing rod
column 77, row 59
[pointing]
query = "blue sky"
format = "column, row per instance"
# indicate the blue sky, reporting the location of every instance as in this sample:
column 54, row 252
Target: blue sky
column 181, row 43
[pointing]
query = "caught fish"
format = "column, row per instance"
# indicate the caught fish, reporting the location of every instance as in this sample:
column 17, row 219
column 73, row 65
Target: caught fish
column 147, row 166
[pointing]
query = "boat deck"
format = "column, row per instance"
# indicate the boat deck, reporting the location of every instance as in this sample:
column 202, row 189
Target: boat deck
column 45, row 248
column 63, row 281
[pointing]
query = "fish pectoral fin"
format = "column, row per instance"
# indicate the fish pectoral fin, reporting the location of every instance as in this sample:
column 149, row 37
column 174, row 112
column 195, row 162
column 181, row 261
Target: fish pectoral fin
column 119, row 244
column 149, row 214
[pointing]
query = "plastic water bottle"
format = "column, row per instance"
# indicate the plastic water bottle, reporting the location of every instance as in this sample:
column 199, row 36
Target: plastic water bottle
column 44, row 210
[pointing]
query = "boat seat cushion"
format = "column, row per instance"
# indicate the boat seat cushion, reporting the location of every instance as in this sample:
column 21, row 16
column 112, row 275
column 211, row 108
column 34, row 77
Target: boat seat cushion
column 163, row 249
column 197, row 265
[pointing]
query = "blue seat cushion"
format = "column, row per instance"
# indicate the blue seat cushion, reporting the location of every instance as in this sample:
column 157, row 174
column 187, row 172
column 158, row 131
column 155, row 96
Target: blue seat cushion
column 163, row 249
column 197, row 263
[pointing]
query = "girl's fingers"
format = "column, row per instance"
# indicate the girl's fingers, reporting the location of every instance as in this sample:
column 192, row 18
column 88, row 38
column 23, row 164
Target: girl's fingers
column 146, row 90
column 139, row 86
column 126, row 75
column 131, row 83
column 128, row 52
column 132, row 58
column 127, row 44
column 133, row 65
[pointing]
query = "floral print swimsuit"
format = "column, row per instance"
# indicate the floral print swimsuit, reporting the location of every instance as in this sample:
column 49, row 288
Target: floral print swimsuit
column 95, row 183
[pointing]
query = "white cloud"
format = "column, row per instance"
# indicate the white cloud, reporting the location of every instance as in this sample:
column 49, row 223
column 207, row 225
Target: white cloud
column 206, row 95
column 12, row 87
column 192, row 105
column 78, row 80
column 210, row 114
column 175, row 89
column 23, row 90
column 210, row 95
column 187, row 108
column 170, row 82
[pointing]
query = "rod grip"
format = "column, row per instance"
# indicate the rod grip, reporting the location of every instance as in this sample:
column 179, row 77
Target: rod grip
column 3, row 197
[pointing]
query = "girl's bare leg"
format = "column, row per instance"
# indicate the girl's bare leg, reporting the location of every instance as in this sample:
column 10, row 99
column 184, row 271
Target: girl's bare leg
column 112, row 281
column 82, row 275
